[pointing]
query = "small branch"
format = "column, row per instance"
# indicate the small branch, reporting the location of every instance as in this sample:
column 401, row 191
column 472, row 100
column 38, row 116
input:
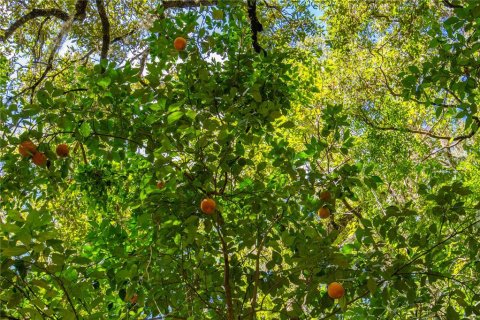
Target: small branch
column 105, row 29
column 356, row 212
column 75, row 90
column 439, row 275
column 451, row 5
column 120, row 38
column 84, row 154
column 426, row 133
column 143, row 62
column 62, row 286
column 226, row 275
column 418, row 256
column 225, row 182
column 439, row 150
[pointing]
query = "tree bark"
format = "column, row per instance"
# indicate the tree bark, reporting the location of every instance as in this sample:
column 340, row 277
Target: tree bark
column 105, row 29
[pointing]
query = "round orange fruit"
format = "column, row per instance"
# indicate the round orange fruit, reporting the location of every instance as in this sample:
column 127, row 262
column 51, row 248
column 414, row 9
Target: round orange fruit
column 160, row 184
column 62, row 150
column 335, row 290
column 325, row 196
column 323, row 212
column 180, row 43
column 208, row 206
column 27, row 148
column 40, row 159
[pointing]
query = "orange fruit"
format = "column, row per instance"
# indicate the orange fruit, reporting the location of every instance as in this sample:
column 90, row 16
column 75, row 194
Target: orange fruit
column 335, row 290
column 27, row 148
column 134, row 298
column 325, row 196
column 180, row 43
column 62, row 150
column 40, row 159
column 208, row 206
column 323, row 212
column 160, row 185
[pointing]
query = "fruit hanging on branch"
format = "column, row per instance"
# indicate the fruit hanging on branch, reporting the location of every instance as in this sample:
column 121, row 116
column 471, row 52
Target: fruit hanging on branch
column 208, row 206
column 180, row 43
column 39, row 159
column 27, row 148
column 62, row 150
column 323, row 212
column 335, row 290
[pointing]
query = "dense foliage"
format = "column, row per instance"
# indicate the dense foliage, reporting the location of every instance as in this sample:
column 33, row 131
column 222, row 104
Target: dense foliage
column 111, row 138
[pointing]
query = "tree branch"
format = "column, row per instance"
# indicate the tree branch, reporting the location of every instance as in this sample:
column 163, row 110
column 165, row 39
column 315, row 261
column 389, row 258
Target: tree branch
column 255, row 25
column 35, row 13
column 426, row 251
column 426, row 133
column 80, row 13
column 356, row 211
column 80, row 9
column 451, row 5
column 226, row 275
column 188, row 3
column 105, row 28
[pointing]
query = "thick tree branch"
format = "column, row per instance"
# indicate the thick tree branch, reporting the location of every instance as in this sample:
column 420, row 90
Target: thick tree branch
column 255, row 25
column 35, row 13
column 80, row 9
column 188, row 3
column 105, row 28
column 80, row 13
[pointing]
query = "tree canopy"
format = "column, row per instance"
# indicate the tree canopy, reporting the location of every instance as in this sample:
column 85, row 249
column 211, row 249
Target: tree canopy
column 239, row 159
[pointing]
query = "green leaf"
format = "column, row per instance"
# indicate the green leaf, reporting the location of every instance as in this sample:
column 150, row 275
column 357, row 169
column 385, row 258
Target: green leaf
column 371, row 285
column 452, row 314
column 160, row 105
column 85, row 129
column 174, row 116
column 217, row 14
column 14, row 251
column 257, row 96
column 104, row 82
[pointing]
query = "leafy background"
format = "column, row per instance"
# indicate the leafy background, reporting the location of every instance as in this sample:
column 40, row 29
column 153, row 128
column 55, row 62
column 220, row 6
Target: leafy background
column 374, row 101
